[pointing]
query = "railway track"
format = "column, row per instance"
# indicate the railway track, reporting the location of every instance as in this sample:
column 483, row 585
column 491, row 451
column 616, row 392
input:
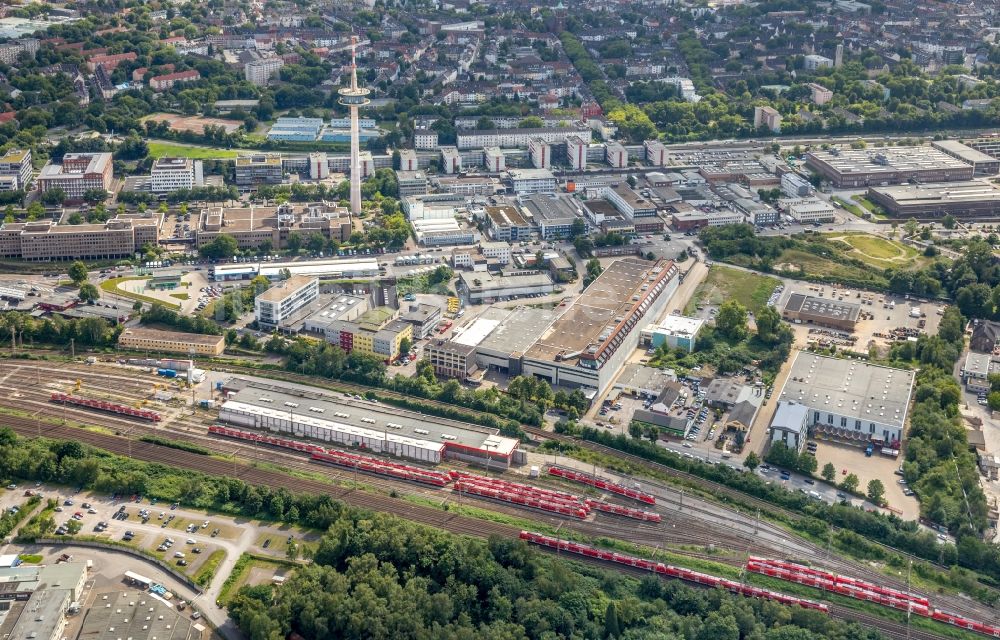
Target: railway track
column 691, row 531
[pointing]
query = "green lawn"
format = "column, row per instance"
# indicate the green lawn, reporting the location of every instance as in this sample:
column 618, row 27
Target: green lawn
column 160, row 149
column 725, row 283
column 853, row 208
column 180, row 296
column 111, row 286
column 818, row 266
column 878, row 252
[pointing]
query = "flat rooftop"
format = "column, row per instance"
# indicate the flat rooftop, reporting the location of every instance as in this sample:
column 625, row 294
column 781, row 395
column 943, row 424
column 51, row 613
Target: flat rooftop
column 170, row 336
column 283, row 289
column 940, row 193
column 136, row 615
column 518, row 330
column 679, row 325
column 822, row 307
column 604, row 300
column 850, row 388
column 248, row 392
column 887, row 160
column 490, row 282
column 962, row 151
column 506, row 215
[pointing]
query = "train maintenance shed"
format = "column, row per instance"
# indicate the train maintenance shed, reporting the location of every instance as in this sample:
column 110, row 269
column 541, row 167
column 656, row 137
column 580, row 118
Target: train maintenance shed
column 303, row 411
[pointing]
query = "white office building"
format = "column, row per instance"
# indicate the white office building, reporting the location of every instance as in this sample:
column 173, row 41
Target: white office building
column 528, row 181
column 260, row 72
column 171, row 174
column 277, row 304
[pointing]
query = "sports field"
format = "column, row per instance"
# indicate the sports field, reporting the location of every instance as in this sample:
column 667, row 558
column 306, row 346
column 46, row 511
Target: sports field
column 172, row 150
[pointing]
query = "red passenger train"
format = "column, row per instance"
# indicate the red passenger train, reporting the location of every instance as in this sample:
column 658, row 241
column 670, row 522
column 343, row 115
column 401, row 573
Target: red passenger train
column 669, row 570
column 604, row 485
column 628, row 512
column 110, row 407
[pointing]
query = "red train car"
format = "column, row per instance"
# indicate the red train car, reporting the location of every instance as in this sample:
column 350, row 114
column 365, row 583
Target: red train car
column 109, row 407
column 628, row 512
column 962, row 622
column 668, row 570
column 575, row 511
column 604, row 485
column 381, row 467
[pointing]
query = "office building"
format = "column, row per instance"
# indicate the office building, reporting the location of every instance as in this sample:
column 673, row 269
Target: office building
column 790, row 425
column 78, row 173
column 795, row 186
column 255, row 226
column 408, row 160
column 615, row 155
column 506, row 223
column 518, row 138
column 260, row 72
column 528, row 181
column 629, row 203
column 423, row 317
column 171, row 174
column 850, row 400
column 677, row 332
column 656, row 153
column 274, row 306
column 451, row 359
column 976, row 371
column 597, row 334
column 958, row 199
column 484, row 287
column 576, row 152
column 411, row 183
column 468, row 185
column 851, row 168
column 494, row 160
column 552, row 215
column 16, row 163
column 155, row 340
column 120, row 237
column 809, row 210
column 259, row 168
column 540, row 153
column 36, row 599
column 451, row 160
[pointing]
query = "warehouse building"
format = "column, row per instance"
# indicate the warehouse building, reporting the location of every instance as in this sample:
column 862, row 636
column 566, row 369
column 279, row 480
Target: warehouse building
column 142, row 339
column 506, row 223
column 552, row 214
column 982, row 164
column 594, row 337
column 482, row 286
column 851, row 168
column 850, row 400
column 802, row 308
column 307, row 412
column 959, row 199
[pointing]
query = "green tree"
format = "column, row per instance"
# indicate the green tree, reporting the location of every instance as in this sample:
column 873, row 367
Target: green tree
column 850, row 483
column 876, row 491
column 993, row 400
column 752, row 461
column 137, row 306
column 829, row 472
column 594, row 269
column 405, row 345
column 77, row 272
column 807, row 463
column 89, row 293
column 768, row 325
column 611, row 627
column 222, row 246
column 294, row 244
column 578, row 228
column 731, row 321
column 949, row 222
column 53, row 197
column 531, row 122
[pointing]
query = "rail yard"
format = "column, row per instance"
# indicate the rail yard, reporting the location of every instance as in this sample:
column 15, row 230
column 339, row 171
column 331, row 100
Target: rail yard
column 588, row 504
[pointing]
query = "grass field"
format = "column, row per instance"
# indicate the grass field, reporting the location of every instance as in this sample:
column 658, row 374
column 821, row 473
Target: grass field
column 111, row 286
column 852, row 208
column 725, row 283
column 161, row 149
column 207, row 571
column 878, row 252
column 180, row 296
column 818, row 266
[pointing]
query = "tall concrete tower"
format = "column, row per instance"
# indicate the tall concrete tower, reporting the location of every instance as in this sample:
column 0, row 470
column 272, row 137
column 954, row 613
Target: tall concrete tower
column 838, row 57
column 354, row 97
